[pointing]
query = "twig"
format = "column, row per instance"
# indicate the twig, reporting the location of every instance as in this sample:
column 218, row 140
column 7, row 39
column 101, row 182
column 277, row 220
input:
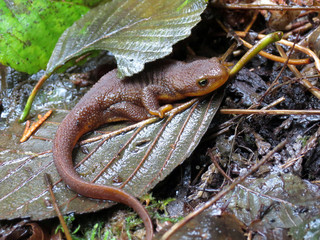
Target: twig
column 277, row 58
column 253, row 19
column 270, row 112
column 56, row 208
column 28, row 122
column 269, row 7
column 216, row 164
column 290, row 44
column 314, row 90
column 264, row 42
column 310, row 144
column 28, row 131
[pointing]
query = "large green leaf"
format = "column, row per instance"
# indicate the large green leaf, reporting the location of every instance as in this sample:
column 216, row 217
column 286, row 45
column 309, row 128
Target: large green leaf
column 135, row 31
column 29, row 30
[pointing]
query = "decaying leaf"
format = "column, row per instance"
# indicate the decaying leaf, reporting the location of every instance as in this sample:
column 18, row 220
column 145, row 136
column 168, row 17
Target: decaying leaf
column 278, row 201
column 309, row 229
column 209, row 225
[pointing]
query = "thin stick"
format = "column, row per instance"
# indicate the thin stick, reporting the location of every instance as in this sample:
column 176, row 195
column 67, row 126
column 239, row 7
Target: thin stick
column 270, row 112
column 277, row 58
column 253, row 19
column 314, row 90
column 216, row 164
column 291, row 44
column 28, row 122
column 269, row 7
column 265, row 41
column 56, row 208
column 28, row 131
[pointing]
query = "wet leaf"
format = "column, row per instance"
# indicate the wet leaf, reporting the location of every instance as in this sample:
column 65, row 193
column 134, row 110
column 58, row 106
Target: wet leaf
column 29, row 30
column 308, row 230
column 209, row 225
column 135, row 31
column 278, row 201
column 135, row 160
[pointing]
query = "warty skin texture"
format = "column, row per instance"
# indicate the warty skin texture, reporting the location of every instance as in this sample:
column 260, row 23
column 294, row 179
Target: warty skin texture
column 134, row 98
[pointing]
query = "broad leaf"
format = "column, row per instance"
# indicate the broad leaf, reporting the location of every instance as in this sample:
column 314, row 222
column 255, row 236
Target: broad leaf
column 135, row 31
column 211, row 225
column 276, row 201
column 135, row 160
column 29, row 30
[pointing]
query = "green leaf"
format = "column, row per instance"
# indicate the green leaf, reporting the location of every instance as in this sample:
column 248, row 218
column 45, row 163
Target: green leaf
column 135, row 31
column 29, row 30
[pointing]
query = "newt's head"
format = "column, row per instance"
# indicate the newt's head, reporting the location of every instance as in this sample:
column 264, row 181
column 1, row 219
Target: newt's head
column 200, row 77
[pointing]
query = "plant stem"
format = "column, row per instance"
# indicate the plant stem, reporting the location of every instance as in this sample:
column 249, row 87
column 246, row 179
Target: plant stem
column 27, row 108
column 268, row 39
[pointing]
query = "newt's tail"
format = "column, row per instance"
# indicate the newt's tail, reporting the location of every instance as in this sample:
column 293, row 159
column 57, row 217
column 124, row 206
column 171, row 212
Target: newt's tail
column 67, row 135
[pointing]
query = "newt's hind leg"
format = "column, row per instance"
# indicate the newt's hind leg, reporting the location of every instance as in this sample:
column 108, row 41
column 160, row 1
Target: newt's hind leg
column 129, row 111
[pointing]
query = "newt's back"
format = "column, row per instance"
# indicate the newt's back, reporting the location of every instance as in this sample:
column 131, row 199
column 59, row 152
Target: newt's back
column 134, row 98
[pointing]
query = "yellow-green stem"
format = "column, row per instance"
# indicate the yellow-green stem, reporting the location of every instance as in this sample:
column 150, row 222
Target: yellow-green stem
column 27, row 108
column 268, row 39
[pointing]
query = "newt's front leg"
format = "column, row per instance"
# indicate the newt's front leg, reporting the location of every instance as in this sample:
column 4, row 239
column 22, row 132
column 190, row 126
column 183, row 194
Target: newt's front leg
column 150, row 100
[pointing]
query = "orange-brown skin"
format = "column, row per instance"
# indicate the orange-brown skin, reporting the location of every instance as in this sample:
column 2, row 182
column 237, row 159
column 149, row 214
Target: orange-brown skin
column 134, row 98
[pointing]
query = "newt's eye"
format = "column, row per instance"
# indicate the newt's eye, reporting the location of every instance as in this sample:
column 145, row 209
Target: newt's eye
column 203, row 82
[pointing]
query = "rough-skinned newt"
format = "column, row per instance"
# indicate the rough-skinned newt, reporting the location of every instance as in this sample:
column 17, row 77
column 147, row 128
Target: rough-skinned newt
column 133, row 98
